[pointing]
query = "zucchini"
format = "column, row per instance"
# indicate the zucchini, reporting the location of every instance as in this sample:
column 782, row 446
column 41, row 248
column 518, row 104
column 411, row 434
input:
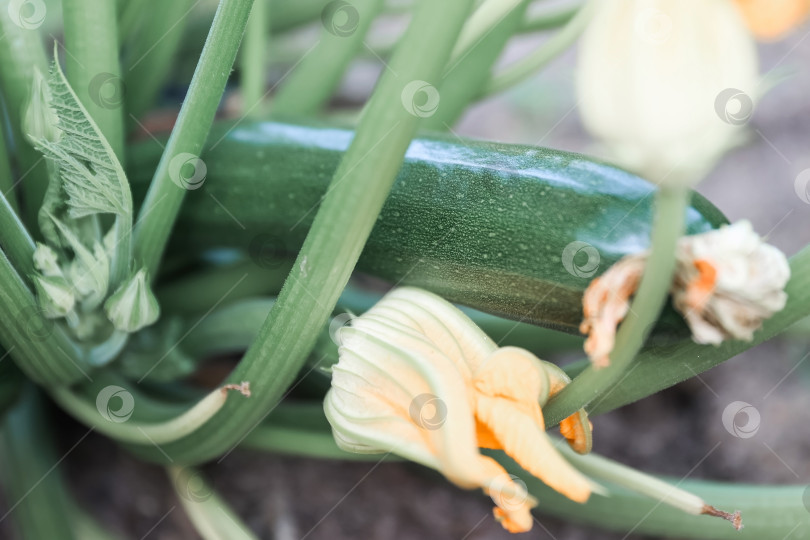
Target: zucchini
column 482, row 224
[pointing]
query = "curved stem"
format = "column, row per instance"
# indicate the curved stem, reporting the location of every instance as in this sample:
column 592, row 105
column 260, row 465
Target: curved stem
column 540, row 58
column 159, row 210
column 652, row 293
column 106, row 419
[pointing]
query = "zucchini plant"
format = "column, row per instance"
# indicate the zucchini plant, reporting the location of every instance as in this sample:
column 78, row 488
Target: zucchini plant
column 169, row 196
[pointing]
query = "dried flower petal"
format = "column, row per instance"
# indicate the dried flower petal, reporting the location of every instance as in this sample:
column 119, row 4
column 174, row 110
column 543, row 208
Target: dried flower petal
column 726, row 282
column 606, row 303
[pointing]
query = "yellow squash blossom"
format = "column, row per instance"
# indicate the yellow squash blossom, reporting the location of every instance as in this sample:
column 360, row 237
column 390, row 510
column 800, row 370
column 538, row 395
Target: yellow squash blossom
column 726, row 282
column 666, row 84
column 417, row 378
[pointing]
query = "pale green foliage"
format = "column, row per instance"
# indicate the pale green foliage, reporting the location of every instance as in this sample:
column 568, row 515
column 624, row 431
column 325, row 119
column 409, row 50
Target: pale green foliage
column 133, row 305
column 81, row 266
column 90, row 173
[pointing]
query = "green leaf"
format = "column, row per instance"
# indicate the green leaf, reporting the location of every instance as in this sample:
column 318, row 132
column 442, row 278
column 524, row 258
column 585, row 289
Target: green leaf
column 91, row 175
column 83, row 168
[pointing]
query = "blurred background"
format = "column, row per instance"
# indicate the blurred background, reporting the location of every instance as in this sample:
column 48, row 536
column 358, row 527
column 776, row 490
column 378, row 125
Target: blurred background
column 678, row 433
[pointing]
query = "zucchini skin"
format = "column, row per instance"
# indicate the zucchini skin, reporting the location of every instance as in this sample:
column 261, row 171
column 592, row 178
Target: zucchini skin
column 482, row 224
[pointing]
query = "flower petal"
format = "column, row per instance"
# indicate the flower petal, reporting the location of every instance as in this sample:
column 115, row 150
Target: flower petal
column 605, row 304
column 527, row 443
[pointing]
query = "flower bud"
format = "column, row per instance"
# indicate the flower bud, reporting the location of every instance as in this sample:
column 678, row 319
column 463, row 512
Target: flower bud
column 666, row 84
column 133, row 306
column 40, row 120
column 46, row 260
column 55, row 296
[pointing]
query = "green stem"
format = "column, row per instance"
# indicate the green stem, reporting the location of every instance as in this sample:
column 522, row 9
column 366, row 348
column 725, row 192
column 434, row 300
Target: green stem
column 92, row 67
column 163, row 200
column 208, row 512
column 199, row 292
column 39, row 346
column 481, row 22
column 152, row 52
column 346, row 216
column 541, row 57
column 21, row 52
column 34, row 488
column 652, row 293
column 254, row 49
column 314, row 79
column 288, row 49
column 472, row 65
column 15, row 240
column 549, row 19
column 768, row 511
column 113, row 421
column 301, row 429
column 612, row 472
column 6, row 178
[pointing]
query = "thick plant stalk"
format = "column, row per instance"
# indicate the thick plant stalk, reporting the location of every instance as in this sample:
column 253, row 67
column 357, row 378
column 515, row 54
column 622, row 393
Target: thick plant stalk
column 252, row 60
column 152, row 52
column 341, row 227
column 541, row 57
column 652, row 292
column 169, row 184
column 471, row 68
column 310, row 84
column 92, row 67
column 768, row 512
column 39, row 346
column 21, row 53
column 15, row 240
column 6, row 178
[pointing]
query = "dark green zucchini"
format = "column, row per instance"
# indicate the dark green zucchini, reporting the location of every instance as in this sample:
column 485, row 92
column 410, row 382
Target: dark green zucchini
column 483, row 224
